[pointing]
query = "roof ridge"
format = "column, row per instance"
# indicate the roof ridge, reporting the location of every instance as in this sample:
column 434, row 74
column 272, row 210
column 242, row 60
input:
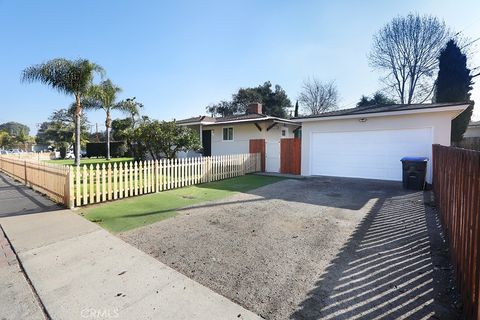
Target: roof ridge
column 382, row 108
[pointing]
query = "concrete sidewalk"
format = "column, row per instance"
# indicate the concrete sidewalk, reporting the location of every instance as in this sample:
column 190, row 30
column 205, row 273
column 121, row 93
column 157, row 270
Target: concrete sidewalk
column 17, row 299
column 18, row 199
column 80, row 271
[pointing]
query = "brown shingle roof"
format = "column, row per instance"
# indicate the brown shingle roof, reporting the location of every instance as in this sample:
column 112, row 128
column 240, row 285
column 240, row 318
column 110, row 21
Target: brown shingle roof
column 240, row 117
column 230, row 119
column 195, row 119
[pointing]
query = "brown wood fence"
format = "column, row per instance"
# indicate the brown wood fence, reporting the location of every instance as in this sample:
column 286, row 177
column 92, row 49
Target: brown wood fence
column 456, row 184
column 87, row 184
column 290, row 155
column 258, row 146
column 49, row 179
column 30, row 155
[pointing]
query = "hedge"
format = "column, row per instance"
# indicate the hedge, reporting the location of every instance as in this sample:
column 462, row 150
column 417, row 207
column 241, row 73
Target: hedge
column 99, row 149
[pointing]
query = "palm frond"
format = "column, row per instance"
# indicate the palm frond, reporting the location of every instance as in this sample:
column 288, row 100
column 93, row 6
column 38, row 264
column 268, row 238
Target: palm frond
column 66, row 76
column 129, row 106
column 101, row 96
column 91, row 104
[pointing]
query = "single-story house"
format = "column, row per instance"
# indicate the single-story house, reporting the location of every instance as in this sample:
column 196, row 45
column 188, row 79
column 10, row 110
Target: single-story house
column 368, row 142
column 473, row 130
column 244, row 133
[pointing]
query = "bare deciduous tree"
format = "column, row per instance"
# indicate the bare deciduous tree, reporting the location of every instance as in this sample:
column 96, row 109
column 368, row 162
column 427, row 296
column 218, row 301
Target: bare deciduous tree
column 317, row 97
column 407, row 48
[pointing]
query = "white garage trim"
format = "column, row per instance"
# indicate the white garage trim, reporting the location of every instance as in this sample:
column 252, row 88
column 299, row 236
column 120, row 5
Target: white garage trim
column 371, row 154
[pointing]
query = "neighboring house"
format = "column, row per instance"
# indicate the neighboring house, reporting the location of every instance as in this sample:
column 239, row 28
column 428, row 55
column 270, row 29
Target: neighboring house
column 473, row 130
column 368, row 142
column 249, row 132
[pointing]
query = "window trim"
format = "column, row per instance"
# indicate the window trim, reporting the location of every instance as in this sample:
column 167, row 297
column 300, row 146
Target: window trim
column 223, row 134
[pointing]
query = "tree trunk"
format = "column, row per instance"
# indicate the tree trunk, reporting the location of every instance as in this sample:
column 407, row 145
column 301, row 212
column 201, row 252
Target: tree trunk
column 78, row 111
column 107, row 125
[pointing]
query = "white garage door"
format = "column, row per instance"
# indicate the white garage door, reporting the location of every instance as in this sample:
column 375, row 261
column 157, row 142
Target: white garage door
column 367, row 154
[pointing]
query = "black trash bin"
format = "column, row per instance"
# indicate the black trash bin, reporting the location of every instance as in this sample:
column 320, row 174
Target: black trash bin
column 414, row 171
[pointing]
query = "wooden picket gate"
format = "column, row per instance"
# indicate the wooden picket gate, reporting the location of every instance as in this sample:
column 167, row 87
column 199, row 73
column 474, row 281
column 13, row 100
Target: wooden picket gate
column 258, row 146
column 290, row 155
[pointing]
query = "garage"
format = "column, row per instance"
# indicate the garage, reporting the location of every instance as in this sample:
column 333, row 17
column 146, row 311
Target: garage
column 368, row 142
column 372, row 154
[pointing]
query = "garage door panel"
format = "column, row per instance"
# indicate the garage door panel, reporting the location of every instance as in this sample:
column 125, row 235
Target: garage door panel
column 367, row 154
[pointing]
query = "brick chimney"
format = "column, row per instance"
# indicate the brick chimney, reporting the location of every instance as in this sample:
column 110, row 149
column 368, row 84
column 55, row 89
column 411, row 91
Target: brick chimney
column 254, row 108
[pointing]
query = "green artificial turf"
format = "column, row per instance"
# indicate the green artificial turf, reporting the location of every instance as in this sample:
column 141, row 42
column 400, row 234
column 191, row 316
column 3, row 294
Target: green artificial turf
column 129, row 213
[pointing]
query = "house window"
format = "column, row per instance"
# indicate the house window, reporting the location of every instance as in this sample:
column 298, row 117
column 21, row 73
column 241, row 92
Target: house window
column 227, row 134
column 284, row 133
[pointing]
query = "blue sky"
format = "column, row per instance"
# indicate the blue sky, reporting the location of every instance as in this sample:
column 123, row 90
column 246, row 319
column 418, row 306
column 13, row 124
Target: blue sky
column 179, row 56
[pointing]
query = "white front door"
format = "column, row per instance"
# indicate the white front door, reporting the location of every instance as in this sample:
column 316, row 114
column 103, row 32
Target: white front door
column 367, row 154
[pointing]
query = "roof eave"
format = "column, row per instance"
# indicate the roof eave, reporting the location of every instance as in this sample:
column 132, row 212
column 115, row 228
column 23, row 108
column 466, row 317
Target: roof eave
column 457, row 108
column 253, row 120
column 195, row 123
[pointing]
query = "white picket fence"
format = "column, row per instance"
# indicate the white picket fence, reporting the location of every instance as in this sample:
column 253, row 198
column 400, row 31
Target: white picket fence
column 98, row 183
column 87, row 184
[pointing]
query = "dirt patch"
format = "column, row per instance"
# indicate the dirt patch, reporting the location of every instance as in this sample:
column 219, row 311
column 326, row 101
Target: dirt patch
column 286, row 250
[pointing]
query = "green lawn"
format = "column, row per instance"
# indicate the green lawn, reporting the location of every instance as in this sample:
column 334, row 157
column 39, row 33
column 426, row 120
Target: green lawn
column 88, row 161
column 122, row 215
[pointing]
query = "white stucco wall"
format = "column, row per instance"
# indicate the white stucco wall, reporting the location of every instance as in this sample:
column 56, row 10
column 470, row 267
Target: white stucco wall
column 440, row 122
column 243, row 133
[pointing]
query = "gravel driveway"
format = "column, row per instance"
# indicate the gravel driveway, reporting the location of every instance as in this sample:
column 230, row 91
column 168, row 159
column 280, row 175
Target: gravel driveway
column 313, row 248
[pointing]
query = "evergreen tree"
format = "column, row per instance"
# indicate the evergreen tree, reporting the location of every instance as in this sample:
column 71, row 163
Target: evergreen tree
column 454, row 84
column 377, row 99
column 275, row 102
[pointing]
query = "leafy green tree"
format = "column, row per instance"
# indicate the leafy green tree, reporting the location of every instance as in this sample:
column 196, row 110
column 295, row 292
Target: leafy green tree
column 103, row 97
column 122, row 130
column 275, row 101
column 6, row 140
column 59, row 131
column 223, row 108
column 23, row 139
column 71, row 77
column 377, row 99
column 454, row 83
column 164, row 139
column 14, row 128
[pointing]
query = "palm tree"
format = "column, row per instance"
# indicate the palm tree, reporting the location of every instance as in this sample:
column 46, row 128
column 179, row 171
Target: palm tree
column 132, row 107
column 103, row 97
column 71, row 77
